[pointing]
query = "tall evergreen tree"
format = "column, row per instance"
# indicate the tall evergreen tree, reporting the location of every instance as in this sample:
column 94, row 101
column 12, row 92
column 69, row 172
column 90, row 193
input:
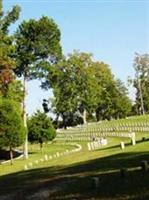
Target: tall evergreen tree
column 37, row 45
column 12, row 130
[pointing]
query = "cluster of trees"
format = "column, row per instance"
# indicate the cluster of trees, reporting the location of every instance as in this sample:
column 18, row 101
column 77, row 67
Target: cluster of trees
column 11, row 125
column 34, row 42
column 83, row 89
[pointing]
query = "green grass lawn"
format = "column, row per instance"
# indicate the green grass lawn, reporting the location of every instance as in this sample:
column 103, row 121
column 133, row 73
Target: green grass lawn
column 70, row 177
column 34, row 154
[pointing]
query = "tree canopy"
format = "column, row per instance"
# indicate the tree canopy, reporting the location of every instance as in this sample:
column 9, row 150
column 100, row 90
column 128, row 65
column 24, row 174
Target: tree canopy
column 40, row 128
column 83, row 87
column 7, row 48
column 37, row 42
column 141, row 83
column 12, row 131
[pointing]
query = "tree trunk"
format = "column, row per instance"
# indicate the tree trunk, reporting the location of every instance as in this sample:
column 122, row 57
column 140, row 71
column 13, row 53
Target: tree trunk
column 11, row 155
column 64, row 121
column 140, row 93
column 84, row 117
column 141, row 98
column 97, row 116
column 24, row 119
column 41, row 147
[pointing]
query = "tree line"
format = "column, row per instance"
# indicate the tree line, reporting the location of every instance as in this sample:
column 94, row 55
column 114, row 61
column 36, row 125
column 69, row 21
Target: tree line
column 84, row 89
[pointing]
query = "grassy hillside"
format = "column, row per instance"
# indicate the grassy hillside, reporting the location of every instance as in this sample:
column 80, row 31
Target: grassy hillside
column 69, row 176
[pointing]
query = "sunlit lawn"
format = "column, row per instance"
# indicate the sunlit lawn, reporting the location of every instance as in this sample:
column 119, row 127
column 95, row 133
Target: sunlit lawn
column 34, row 154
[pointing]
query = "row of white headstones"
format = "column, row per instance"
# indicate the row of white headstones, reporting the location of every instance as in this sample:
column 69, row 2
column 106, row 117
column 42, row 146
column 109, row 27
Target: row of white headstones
column 88, row 129
column 103, row 142
column 97, row 144
column 46, row 157
column 89, row 137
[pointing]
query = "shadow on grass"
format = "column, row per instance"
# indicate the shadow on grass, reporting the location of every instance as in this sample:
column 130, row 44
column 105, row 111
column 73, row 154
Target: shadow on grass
column 144, row 139
column 75, row 181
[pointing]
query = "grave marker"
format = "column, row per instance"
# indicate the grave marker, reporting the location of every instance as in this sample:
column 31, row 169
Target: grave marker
column 122, row 145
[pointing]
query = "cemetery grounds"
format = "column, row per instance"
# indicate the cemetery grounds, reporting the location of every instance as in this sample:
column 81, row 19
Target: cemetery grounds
column 68, row 169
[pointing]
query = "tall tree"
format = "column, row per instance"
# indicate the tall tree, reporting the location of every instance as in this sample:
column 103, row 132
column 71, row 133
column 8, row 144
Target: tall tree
column 73, row 86
column 12, row 131
column 79, row 85
column 105, row 80
column 85, row 83
column 37, row 44
column 11, row 127
column 141, row 83
column 83, row 87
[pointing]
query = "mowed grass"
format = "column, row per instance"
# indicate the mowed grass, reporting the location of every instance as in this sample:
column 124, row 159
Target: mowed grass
column 34, row 154
column 70, row 177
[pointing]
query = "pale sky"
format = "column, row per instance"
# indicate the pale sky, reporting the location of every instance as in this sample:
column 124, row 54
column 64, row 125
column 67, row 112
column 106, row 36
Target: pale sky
column 113, row 30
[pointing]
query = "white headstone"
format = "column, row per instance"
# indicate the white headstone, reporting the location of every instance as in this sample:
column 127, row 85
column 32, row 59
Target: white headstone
column 46, row 157
column 122, row 145
column 133, row 138
column 25, row 167
column 92, row 145
column 95, row 182
column 67, row 151
column 95, row 145
column 30, row 164
column 57, row 154
column 36, row 161
column 89, row 146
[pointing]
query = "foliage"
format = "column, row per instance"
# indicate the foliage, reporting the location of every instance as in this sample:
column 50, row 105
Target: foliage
column 11, row 125
column 82, row 87
column 141, row 83
column 37, row 42
column 40, row 128
column 72, row 85
column 7, row 49
column 15, row 91
column 11, row 17
column 115, row 102
column 124, row 104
